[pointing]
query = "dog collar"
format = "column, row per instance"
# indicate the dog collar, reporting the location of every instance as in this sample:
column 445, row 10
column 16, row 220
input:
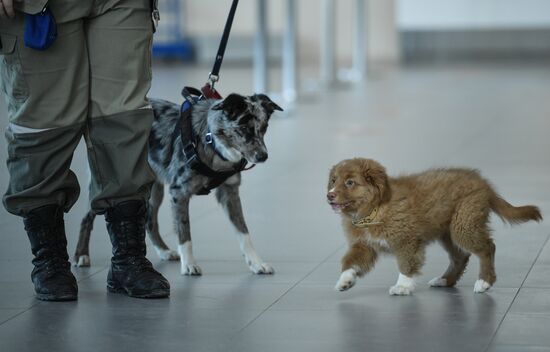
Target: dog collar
column 367, row 220
column 209, row 139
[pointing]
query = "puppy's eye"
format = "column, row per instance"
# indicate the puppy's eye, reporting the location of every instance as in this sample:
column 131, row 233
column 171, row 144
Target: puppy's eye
column 332, row 180
column 350, row 183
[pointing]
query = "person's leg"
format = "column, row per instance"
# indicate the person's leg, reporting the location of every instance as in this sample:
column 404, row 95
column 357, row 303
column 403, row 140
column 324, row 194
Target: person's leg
column 47, row 94
column 119, row 36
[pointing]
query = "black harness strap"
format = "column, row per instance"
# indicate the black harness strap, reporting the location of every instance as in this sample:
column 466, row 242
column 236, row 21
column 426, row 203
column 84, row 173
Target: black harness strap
column 184, row 126
column 185, row 129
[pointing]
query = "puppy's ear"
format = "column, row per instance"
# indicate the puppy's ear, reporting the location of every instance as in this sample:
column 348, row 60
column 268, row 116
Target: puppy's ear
column 375, row 174
column 331, row 176
column 234, row 105
column 267, row 103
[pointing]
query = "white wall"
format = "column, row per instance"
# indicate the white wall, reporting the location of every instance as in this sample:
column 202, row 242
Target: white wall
column 473, row 14
column 207, row 17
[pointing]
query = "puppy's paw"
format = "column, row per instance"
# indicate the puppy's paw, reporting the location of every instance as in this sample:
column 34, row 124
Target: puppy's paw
column 191, row 269
column 260, row 268
column 82, row 261
column 481, row 286
column 167, row 254
column 438, row 282
column 401, row 290
column 346, row 281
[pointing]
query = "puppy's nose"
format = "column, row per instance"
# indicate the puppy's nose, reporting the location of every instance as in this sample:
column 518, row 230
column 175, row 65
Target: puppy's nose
column 261, row 157
column 331, row 196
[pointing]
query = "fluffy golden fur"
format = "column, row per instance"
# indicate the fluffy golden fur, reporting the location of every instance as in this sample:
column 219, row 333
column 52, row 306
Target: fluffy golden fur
column 401, row 215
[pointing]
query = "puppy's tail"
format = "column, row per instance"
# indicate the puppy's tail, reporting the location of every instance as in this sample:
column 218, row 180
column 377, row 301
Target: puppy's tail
column 514, row 215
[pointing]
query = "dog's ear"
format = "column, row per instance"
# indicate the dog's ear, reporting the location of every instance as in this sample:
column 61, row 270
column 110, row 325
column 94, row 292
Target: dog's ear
column 331, row 176
column 375, row 174
column 234, row 105
column 267, row 103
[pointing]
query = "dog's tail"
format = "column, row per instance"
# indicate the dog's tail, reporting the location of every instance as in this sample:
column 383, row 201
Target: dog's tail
column 514, row 215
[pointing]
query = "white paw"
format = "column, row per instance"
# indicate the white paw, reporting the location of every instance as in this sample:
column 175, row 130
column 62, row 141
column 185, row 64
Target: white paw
column 260, row 268
column 481, row 286
column 167, row 254
column 83, row 261
column 403, row 287
column 438, row 282
column 400, row 290
column 346, row 281
column 191, row 269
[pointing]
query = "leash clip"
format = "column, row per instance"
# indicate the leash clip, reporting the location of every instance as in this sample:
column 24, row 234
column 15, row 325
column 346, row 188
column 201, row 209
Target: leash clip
column 213, row 79
column 208, row 139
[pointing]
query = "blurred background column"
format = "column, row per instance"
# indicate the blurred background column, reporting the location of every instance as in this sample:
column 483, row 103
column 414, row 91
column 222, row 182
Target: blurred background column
column 382, row 32
column 327, row 59
column 261, row 43
column 290, row 55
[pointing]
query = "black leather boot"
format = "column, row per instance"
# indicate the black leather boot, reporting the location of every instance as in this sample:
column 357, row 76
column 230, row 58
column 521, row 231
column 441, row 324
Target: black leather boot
column 131, row 273
column 51, row 276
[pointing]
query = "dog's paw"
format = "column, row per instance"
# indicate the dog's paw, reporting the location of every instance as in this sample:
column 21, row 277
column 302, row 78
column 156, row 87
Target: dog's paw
column 82, row 261
column 401, row 290
column 481, row 286
column 167, row 254
column 346, row 281
column 438, row 282
column 191, row 269
column 261, row 268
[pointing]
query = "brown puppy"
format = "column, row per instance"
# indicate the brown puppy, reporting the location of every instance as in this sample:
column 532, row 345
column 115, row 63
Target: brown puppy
column 402, row 215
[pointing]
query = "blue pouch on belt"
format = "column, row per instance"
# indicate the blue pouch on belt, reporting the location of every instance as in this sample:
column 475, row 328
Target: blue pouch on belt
column 40, row 30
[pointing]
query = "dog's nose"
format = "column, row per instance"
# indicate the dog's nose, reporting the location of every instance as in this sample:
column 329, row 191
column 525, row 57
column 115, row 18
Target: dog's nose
column 331, row 196
column 261, row 157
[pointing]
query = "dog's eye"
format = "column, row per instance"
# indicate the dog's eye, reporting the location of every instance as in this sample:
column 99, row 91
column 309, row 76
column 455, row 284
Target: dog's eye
column 350, row 183
column 332, row 180
column 244, row 128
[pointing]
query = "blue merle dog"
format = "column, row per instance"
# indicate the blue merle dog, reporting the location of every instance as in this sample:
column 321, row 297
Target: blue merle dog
column 228, row 132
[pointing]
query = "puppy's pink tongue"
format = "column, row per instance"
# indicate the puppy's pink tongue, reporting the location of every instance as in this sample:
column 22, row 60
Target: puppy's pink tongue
column 336, row 207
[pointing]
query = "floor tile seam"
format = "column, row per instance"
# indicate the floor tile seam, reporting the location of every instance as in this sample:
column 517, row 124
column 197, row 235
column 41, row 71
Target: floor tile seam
column 22, row 312
column 424, row 286
column 531, row 314
column 38, row 302
column 240, row 261
column 91, row 275
column 517, row 294
column 287, row 291
column 25, row 281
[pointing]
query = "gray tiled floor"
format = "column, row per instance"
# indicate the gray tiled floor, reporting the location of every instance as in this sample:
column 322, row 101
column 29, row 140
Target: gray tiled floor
column 491, row 117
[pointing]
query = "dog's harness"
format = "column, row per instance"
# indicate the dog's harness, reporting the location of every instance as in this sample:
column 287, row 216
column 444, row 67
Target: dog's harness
column 184, row 128
column 189, row 141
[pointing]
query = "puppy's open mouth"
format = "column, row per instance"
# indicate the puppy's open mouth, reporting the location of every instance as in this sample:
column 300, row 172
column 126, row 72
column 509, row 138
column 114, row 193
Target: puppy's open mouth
column 338, row 207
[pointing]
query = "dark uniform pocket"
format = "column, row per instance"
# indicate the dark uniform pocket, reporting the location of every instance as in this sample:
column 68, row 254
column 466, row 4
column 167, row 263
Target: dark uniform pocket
column 12, row 80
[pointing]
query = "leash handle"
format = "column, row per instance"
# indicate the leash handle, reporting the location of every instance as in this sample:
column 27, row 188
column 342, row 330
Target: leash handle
column 214, row 75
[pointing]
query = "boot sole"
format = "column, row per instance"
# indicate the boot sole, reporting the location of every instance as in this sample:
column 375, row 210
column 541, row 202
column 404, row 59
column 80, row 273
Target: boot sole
column 158, row 293
column 56, row 297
